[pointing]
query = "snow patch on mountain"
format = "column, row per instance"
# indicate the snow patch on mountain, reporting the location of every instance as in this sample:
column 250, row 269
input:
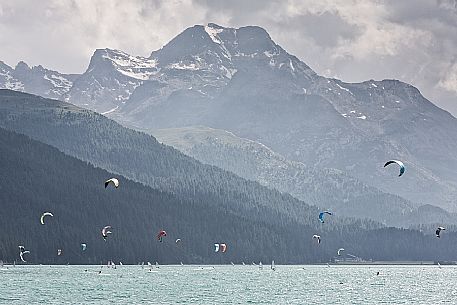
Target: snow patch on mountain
column 228, row 72
column 123, row 59
column 137, row 75
column 59, row 81
column 270, row 54
column 183, row 66
column 343, row 88
column 12, row 83
column 291, row 65
column 213, row 33
column 137, row 67
column 110, row 111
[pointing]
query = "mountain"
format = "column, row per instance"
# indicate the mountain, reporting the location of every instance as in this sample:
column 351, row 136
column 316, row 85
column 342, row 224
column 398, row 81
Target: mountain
column 110, row 79
column 275, row 99
column 94, row 138
column 36, row 80
column 37, row 178
column 241, row 81
column 325, row 187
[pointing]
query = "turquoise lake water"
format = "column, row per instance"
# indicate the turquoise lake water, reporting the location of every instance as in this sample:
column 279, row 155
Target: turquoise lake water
column 228, row 285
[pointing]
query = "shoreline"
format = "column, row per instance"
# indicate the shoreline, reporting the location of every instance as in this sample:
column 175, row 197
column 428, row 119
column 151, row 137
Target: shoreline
column 364, row 263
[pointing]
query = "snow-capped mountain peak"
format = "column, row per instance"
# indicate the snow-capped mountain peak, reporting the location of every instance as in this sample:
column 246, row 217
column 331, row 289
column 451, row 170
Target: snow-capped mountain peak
column 204, row 58
column 7, row 79
column 137, row 67
column 36, row 80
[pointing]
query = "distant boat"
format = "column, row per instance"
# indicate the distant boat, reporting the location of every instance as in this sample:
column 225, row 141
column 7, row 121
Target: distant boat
column 273, row 265
column 260, row 265
column 157, row 265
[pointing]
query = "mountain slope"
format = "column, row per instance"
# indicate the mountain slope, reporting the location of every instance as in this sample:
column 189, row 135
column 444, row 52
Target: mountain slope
column 275, row 99
column 110, row 79
column 241, row 81
column 36, row 80
column 327, row 188
column 94, row 138
column 39, row 178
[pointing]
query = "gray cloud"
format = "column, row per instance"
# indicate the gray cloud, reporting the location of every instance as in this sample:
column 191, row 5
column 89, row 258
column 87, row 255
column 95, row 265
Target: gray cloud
column 355, row 40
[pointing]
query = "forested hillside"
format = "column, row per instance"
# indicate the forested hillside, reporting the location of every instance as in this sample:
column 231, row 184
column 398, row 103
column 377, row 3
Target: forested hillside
column 94, row 138
column 37, row 178
column 327, row 188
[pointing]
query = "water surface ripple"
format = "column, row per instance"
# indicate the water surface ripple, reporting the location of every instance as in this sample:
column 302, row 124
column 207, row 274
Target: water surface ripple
column 228, row 285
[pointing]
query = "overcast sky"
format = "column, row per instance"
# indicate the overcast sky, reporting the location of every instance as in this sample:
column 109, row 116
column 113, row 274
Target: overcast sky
column 411, row 40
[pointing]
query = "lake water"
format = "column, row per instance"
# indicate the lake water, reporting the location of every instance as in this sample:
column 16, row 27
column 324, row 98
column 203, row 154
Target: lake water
column 229, row 285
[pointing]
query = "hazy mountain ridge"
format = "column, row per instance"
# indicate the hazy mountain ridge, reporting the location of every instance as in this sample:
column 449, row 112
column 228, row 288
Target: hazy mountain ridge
column 74, row 191
column 36, row 80
column 327, row 188
column 396, row 120
column 94, row 138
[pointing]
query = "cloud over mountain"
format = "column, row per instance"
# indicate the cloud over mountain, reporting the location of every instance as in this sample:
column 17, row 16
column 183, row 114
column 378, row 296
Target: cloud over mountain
column 413, row 41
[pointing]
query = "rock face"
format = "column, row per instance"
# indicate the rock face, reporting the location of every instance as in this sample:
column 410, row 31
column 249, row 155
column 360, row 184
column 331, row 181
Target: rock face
column 241, row 81
column 36, row 80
